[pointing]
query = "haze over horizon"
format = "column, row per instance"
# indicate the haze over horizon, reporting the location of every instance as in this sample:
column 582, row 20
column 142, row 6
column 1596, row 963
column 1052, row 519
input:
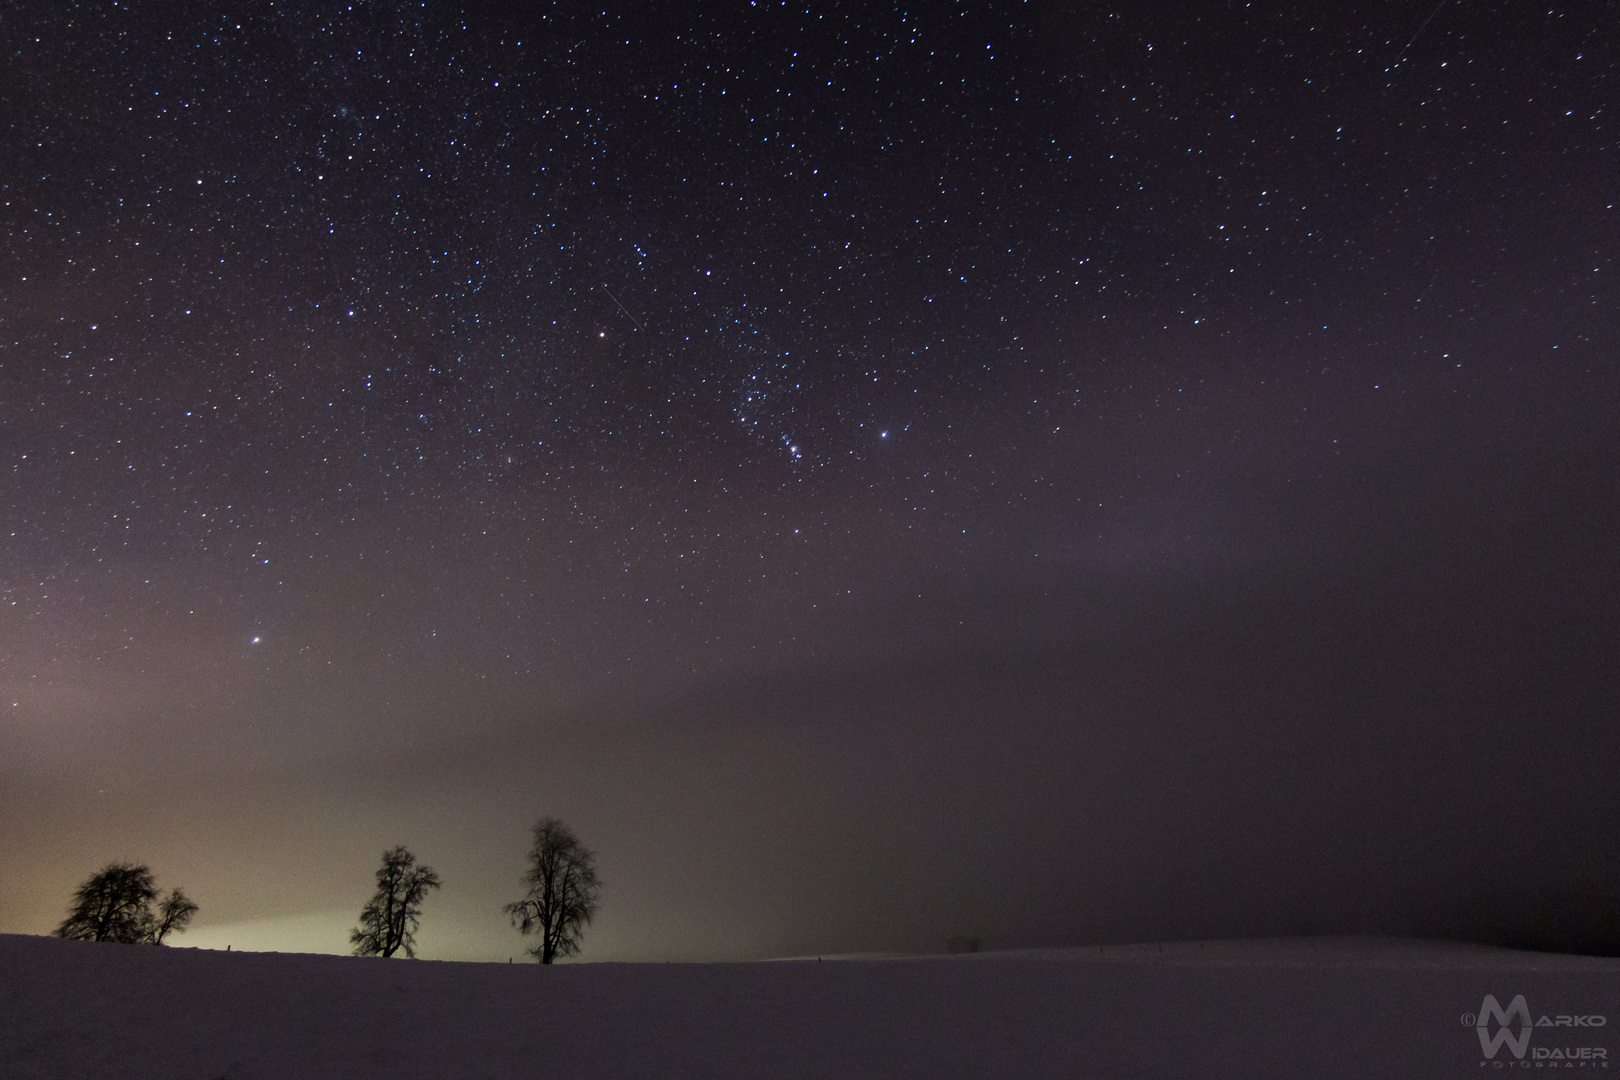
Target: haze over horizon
column 1050, row 473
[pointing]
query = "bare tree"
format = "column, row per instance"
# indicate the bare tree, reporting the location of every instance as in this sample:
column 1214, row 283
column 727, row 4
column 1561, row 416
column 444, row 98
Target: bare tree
column 173, row 914
column 389, row 920
column 563, row 892
column 116, row 905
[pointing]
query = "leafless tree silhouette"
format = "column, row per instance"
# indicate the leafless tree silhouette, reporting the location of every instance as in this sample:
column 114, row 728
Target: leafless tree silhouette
column 116, row 905
column 389, row 920
column 563, row 892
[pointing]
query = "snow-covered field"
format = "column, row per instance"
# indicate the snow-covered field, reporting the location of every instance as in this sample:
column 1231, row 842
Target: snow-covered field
column 1290, row 1008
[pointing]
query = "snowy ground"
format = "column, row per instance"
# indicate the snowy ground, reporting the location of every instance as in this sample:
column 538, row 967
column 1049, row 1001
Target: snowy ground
column 1292, row 1008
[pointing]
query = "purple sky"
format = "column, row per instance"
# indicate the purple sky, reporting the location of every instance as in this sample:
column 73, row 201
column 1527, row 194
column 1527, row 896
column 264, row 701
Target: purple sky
column 1044, row 472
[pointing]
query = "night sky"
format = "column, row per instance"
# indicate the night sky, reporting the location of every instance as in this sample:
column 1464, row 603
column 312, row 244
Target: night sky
column 1053, row 473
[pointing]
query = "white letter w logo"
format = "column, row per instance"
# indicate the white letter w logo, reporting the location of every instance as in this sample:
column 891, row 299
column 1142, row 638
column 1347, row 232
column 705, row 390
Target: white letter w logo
column 1489, row 1044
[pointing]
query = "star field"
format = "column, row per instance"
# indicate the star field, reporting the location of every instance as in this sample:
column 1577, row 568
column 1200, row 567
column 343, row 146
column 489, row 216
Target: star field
column 437, row 377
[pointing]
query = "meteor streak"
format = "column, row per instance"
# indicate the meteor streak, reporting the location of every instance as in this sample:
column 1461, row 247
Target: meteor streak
column 622, row 308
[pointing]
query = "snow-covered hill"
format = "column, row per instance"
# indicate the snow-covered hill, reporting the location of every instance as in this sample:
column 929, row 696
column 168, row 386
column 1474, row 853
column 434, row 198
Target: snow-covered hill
column 1322, row 1008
